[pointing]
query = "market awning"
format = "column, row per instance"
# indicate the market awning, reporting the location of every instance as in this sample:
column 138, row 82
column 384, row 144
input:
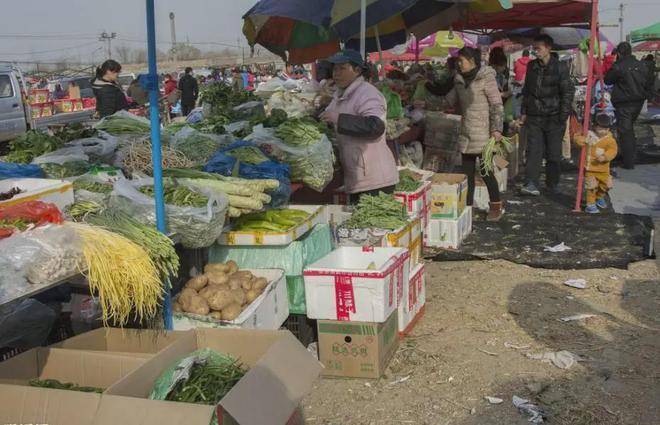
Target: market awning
column 650, row 33
column 648, row 46
column 564, row 37
column 527, row 13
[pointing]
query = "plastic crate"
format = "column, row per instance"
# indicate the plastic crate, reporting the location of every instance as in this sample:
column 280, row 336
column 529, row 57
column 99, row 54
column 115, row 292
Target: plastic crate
column 303, row 328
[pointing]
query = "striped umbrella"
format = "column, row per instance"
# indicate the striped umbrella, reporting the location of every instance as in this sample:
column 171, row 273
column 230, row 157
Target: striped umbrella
column 302, row 30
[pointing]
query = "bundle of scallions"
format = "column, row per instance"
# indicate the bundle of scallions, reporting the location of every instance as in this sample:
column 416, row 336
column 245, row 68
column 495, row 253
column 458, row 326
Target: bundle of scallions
column 492, row 149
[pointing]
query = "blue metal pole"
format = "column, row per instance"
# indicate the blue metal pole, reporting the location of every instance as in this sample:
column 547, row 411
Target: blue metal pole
column 156, row 156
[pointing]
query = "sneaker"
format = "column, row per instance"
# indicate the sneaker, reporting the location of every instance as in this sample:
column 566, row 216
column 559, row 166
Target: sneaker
column 601, row 203
column 591, row 209
column 530, row 189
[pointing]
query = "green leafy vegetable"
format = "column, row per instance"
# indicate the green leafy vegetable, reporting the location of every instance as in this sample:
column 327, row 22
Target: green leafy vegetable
column 380, row 212
column 408, row 181
column 55, row 384
column 180, row 196
column 30, row 145
column 68, row 169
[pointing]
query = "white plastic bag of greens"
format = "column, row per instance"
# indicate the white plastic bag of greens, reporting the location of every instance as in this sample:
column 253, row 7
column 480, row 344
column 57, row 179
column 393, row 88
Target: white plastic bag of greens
column 194, row 227
column 91, row 187
column 123, row 122
column 62, row 155
column 294, row 104
column 100, row 148
column 197, row 146
column 63, row 163
column 312, row 164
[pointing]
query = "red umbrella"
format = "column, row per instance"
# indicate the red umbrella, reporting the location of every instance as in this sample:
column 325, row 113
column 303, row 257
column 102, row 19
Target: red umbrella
column 648, row 46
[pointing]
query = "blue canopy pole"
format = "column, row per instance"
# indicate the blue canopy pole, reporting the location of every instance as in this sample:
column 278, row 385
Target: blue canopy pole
column 156, row 156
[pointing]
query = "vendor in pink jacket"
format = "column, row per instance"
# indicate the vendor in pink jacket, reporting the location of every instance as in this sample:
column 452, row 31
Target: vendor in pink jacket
column 358, row 112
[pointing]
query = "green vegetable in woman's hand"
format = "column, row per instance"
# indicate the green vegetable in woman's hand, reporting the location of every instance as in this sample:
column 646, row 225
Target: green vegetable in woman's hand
column 494, row 148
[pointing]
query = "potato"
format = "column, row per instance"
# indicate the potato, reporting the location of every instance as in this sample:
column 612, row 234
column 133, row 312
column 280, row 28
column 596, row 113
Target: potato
column 238, row 296
column 231, row 312
column 247, row 285
column 259, row 283
column 216, row 315
column 232, row 267
column 197, row 282
column 217, row 278
column 251, row 295
column 177, row 307
column 241, row 275
column 235, row 283
column 210, row 289
column 219, row 299
column 215, row 267
column 197, row 305
column 185, row 296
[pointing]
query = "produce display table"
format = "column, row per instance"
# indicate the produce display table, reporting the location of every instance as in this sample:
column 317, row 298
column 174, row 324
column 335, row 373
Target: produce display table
column 29, row 290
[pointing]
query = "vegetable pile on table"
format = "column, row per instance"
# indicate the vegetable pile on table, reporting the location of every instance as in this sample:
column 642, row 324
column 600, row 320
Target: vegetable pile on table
column 379, row 212
column 30, row 145
column 68, row 169
column 247, row 154
column 123, row 123
column 409, row 181
column 57, row 385
column 75, row 131
column 96, row 187
column 180, row 196
column 244, row 195
column 278, row 220
column 221, row 293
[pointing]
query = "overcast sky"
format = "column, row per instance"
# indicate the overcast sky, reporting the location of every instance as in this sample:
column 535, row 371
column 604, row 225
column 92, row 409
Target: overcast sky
column 69, row 28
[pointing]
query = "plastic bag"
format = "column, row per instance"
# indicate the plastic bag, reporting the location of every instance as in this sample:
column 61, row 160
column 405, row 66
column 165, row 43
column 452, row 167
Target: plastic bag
column 411, row 155
column 63, row 155
column 100, row 148
column 25, row 325
column 292, row 103
column 394, row 107
column 195, row 227
column 236, row 126
column 247, row 110
column 35, row 212
column 312, row 165
column 82, row 195
column 197, row 146
column 11, row 170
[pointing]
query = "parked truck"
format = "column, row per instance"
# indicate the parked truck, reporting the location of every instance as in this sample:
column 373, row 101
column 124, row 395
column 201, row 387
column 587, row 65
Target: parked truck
column 15, row 113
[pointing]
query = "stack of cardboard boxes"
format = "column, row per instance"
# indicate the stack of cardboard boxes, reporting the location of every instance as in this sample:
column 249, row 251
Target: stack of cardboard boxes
column 450, row 218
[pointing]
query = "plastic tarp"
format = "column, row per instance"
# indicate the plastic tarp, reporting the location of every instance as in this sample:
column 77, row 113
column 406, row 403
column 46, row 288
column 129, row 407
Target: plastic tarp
column 11, row 170
column 292, row 258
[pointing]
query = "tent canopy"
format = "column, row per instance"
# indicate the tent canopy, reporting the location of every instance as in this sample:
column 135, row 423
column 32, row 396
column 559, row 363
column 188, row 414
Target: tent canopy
column 650, row 33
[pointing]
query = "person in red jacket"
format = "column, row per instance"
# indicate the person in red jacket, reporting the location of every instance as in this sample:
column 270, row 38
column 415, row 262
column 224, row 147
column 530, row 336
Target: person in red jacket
column 520, row 67
column 169, row 85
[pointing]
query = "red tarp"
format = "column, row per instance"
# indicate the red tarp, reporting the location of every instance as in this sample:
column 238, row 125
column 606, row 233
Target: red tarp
column 528, row 13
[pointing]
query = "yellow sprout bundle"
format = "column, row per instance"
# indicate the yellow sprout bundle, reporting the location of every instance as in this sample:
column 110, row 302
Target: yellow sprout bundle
column 121, row 274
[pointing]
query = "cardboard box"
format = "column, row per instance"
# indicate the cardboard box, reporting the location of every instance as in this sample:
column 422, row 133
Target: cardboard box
column 356, row 284
column 22, row 403
column 449, row 233
column 268, row 311
column 448, row 195
column 357, row 349
column 281, row 372
column 58, row 192
column 317, row 216
column 128, row 341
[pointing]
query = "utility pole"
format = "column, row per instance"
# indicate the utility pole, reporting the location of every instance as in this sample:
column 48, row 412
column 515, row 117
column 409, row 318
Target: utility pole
column 621, row 39
column 173, row 36
column 105, row 37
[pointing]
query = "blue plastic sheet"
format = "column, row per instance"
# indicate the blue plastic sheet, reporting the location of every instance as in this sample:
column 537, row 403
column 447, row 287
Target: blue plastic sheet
column 11, row 170
column 224, row 164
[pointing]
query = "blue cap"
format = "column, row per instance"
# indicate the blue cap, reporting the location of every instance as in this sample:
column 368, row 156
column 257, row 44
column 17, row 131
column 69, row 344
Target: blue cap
column 347, row 56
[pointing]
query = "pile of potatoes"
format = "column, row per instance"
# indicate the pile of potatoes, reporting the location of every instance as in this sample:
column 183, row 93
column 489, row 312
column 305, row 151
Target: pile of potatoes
column 222, row 292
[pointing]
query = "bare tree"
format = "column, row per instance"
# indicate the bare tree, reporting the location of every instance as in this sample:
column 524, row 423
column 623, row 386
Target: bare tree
column 139, row 56
column 124, row 53
column 185, row 52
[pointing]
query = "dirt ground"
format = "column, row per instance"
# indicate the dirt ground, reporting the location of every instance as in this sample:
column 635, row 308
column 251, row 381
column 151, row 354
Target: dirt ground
column 482, row 319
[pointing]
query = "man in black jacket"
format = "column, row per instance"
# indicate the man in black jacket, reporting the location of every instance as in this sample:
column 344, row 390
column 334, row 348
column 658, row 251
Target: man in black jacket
column 547, row 99
column 189, row 92
column 633, row 84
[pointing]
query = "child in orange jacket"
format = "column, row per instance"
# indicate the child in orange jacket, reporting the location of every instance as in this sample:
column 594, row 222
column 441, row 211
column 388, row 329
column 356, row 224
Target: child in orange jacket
column 601, row 150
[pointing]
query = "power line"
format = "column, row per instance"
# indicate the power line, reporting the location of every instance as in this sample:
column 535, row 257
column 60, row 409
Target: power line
column 49, row 51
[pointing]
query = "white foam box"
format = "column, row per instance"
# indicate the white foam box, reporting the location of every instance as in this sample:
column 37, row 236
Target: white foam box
column 58, row 192
column 317, row 216
column 358, row 284
column 417, row 201
column 268, row 311
column 409, row 306
column 449, row 233
column 409, row 237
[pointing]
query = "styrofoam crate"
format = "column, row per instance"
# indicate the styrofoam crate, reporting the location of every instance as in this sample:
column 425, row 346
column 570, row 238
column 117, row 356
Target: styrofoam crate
column 268, row 311
column 356, row 284
column 317, row 216
column 416, row 201
column 408, row 307
column 55, row 191
column 449, row 233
